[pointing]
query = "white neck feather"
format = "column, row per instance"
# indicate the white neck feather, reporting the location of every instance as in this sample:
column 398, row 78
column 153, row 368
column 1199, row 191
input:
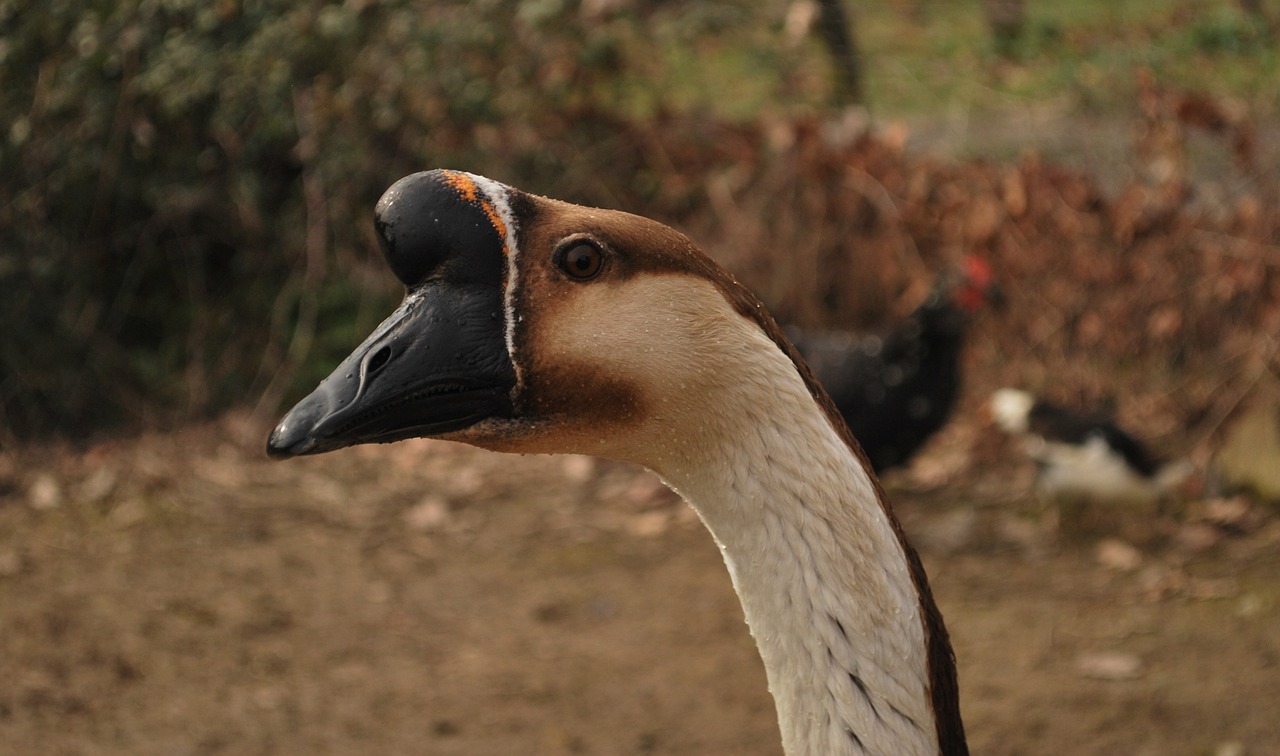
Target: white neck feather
column 823, row 579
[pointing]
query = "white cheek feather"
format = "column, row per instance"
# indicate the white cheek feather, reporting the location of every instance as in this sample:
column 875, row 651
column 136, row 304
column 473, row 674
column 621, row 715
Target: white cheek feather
column 498, row 196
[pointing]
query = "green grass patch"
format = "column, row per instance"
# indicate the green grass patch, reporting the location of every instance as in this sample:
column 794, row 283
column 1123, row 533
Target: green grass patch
column 943, row 58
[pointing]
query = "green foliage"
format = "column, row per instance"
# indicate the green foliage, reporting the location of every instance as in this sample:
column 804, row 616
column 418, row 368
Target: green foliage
column 183, row 184
column 150, row 197
column 1084, row 52
column 1223, row 32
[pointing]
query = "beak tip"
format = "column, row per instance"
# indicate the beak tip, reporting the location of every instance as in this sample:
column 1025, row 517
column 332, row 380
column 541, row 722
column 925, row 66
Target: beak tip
column 301, row 431
column 286, row 441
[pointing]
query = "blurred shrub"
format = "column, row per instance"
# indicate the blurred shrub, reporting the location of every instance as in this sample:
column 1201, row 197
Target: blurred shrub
column 150, row 197
column 184, row 183
column 1223, row 32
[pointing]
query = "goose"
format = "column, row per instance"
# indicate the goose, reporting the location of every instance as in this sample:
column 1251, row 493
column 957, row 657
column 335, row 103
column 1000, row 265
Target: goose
column 530, row 325
column 1084, row 455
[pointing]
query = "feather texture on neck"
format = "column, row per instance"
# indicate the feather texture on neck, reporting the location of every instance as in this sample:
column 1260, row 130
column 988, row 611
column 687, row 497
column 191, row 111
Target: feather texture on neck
column 729, row 422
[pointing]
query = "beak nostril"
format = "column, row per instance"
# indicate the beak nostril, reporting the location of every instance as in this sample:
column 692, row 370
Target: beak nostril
column 379, row 359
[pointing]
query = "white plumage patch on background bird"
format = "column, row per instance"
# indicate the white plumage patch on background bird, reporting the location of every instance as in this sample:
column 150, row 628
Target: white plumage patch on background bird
column 1083, row 455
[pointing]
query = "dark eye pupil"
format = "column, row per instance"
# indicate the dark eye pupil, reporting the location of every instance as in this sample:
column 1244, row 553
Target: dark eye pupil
column 581, row 261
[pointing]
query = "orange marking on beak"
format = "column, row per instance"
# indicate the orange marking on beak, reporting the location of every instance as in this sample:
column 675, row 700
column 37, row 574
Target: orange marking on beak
column 467, row 188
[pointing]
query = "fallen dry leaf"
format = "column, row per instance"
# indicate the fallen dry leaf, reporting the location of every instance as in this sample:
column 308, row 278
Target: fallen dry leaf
column 1109, row 665
column 578, row 468
column 1115, row 554
column 44, row 492
column 428, row 516
column 1197, row 537
column 648, row 524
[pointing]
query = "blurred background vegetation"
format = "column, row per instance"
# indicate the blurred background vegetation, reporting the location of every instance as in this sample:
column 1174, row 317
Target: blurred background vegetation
column 186, row 185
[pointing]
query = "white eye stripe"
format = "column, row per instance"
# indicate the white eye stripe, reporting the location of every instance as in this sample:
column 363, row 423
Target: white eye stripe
column 498, row 196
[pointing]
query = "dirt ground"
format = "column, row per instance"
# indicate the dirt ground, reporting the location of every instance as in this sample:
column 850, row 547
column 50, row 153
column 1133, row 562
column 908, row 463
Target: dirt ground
column 181, row 594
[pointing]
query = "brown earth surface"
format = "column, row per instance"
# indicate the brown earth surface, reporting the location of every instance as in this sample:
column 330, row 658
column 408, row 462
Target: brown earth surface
column 180, row 594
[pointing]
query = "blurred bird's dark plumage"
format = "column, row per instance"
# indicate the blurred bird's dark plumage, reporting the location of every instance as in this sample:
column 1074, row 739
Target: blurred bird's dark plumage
column 896, row 388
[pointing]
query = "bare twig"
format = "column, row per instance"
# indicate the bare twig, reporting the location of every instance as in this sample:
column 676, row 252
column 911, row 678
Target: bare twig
column 317, row 234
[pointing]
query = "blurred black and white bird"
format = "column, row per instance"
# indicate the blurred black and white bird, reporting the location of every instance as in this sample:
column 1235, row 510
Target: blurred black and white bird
column 1084, row 455
column 895, row 389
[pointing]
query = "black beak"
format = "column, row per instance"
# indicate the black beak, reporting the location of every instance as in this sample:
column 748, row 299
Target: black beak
column 438, row 364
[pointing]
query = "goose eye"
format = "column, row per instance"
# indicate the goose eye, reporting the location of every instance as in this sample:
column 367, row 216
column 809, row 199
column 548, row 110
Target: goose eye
column 581, row 261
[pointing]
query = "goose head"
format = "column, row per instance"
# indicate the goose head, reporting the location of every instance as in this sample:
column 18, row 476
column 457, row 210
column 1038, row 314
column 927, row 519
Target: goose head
column 533, row 325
